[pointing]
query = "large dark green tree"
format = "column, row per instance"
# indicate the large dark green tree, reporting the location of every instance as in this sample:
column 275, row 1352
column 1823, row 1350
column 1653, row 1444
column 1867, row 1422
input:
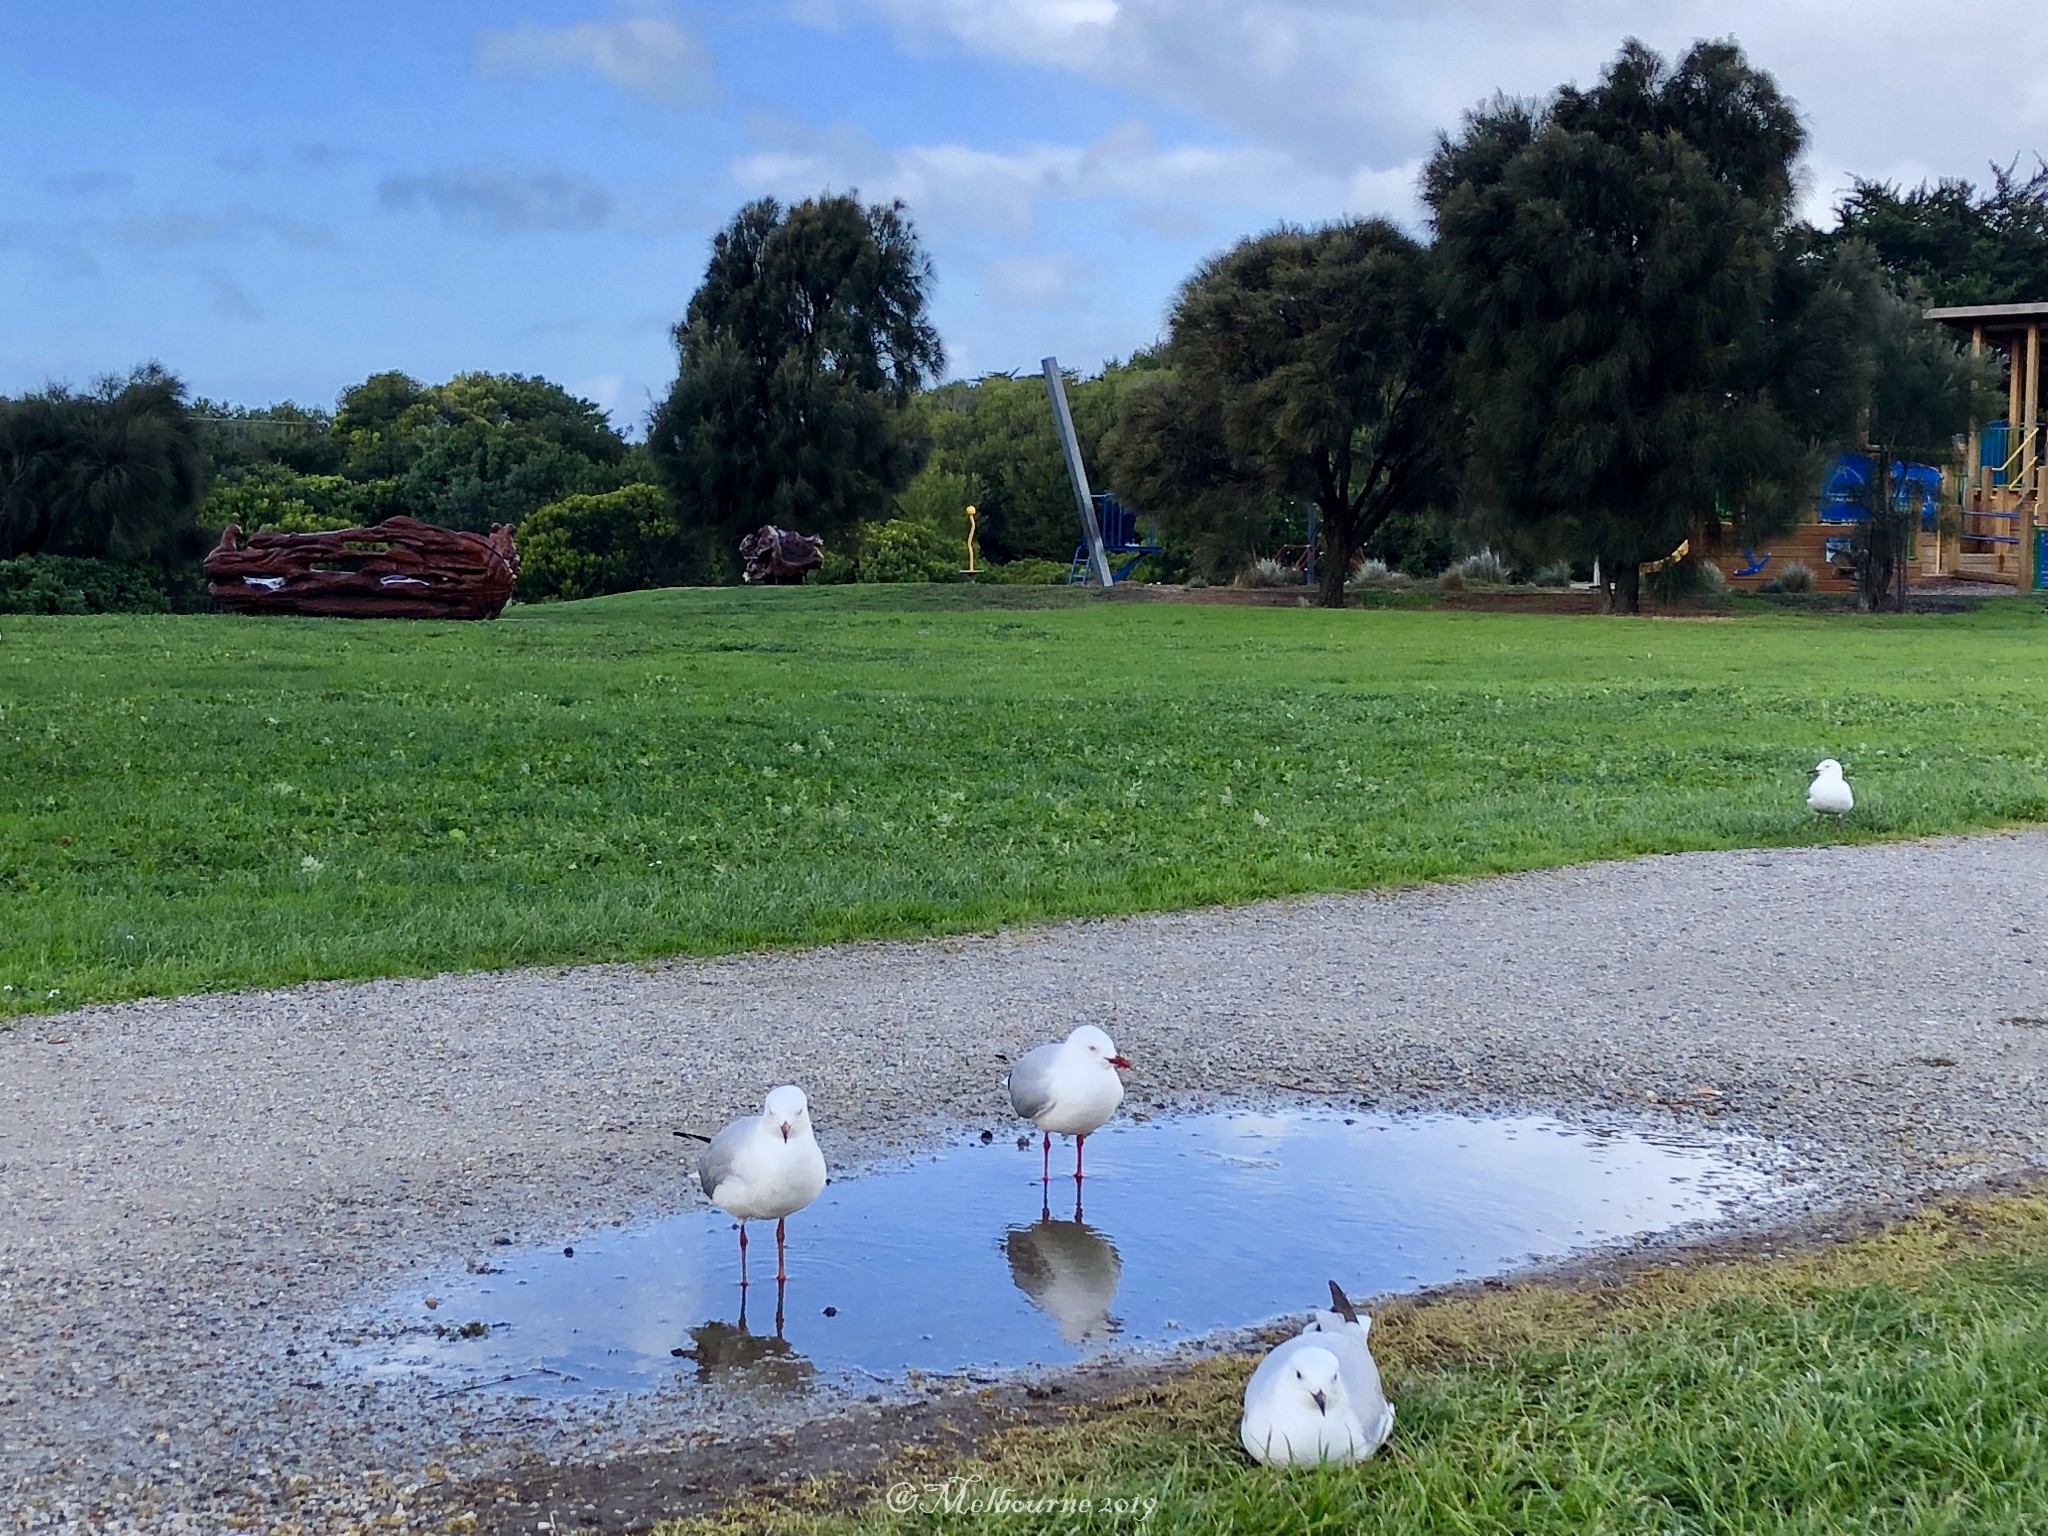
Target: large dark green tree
column 1305, row 365
column 798, row 359
column 1960, row 243
column 1647, row 340
column 116, row 472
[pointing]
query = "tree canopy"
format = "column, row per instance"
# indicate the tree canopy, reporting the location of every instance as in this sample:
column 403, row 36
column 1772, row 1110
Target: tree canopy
column 116, row 472
column 1646, row 334
column 1959, row 243
column 797, row 361
column 482, row 448
column 1305, row 366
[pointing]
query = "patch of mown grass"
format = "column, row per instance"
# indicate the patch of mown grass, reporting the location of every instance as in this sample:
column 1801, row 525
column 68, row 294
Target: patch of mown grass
column 192, row 803
column 1888, row 1384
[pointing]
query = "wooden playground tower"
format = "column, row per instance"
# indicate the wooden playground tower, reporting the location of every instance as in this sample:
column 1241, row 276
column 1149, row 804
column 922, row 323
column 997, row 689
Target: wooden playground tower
column 2000, row 535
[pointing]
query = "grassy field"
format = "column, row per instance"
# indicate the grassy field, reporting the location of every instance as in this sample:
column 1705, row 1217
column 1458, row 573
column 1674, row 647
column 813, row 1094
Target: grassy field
column 1890, row 1385
column 206, row 802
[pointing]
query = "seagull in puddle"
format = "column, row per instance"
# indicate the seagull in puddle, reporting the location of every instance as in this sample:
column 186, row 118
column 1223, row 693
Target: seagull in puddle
column 1069, row 1088
column 765, row 1167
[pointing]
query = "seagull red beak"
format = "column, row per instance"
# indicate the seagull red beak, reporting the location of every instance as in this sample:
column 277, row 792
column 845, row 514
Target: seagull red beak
column 1119, row 1061
column 785, row 1130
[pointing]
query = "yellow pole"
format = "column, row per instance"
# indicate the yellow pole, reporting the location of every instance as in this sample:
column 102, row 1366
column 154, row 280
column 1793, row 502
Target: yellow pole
column 2031, row 464
column 971, row 515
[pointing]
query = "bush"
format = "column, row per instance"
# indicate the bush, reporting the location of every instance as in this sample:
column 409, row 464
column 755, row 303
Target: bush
column 1683, row 579
column 1483, row 568
column 73, row 584
column 1375, row 575
column 1556, row 574
column 902, row 550
column 1797, row 576
column 586, row 546
column 837, row 570
column 1268, row 573
column 272, row 498
column 1029, row 573
column 1452, row 580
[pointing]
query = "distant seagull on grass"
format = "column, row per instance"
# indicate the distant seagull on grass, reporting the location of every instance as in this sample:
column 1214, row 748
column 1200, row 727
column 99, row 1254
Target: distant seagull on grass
column 765, row 1167
column 1317, row 1397
column 1069, row 1089
column 1828, row 794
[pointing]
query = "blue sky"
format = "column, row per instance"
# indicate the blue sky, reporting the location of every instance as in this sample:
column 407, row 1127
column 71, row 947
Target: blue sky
column 278, row 199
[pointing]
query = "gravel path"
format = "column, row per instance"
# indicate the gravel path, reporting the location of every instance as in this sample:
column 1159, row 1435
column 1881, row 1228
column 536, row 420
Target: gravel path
column 192, row 1184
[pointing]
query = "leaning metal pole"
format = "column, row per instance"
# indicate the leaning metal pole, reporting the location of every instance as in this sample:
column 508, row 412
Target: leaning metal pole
column 1063, row 423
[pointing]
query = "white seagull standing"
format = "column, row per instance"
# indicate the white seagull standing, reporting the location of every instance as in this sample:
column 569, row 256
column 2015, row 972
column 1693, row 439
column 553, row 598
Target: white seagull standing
column 1317, row 1396
column 765, row 1166
column 1070, row 1088
column 1829, row 793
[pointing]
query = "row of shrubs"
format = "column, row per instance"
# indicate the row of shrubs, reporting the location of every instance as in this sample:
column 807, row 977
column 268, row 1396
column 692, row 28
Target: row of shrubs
column 904, row 550
column 1682, row 580
column 74, row 584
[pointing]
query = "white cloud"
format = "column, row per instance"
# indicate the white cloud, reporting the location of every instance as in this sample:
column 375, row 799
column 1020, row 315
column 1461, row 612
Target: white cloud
column 1000, row 191
column 649, row 55
column 1338, row 84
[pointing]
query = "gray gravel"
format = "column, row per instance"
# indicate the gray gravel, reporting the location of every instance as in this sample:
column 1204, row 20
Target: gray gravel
column 195, row 1187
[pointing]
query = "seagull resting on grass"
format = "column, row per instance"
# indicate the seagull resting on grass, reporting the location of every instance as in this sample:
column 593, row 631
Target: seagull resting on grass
column 1070, row 1088
column 1317, row 1396
column 765, row 1167
column 1829, row 793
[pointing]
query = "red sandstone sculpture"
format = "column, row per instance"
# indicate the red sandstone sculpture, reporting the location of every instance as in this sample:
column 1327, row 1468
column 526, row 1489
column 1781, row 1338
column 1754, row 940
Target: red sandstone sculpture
column 776, row 555
column 400, row 569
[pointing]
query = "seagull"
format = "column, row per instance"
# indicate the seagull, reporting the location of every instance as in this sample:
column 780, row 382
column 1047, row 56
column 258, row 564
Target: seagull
column 1070, row 1088
column 1317, row 1397
column 766, row 1165
column 1829, row 792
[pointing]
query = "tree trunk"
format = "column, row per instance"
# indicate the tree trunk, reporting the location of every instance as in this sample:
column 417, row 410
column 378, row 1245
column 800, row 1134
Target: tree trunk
column 1335, row 566
column 1625, row 587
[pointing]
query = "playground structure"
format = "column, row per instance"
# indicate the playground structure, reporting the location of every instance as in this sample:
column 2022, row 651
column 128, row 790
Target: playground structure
column 1108, row 527
column 1978, row 520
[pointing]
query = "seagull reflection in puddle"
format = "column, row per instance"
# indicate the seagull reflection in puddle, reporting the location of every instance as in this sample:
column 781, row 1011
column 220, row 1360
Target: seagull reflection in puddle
column 730, row 1352
column 1069, row 1270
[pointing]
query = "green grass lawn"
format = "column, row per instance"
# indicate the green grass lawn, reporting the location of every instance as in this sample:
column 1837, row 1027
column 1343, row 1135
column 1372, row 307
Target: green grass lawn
column 204, row 802
column 1890, row 1385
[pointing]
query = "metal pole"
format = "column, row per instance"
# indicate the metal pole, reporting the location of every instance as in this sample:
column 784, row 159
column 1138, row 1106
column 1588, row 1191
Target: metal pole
column 1063, row 423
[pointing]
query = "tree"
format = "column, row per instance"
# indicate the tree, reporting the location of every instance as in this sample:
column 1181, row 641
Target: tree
column 116, row 473
column 994, row 436
column 1305, row 366
column 1645, row 334
column 797, row 360
column 1958, row 244
column 482, row 448
column 1921, row 391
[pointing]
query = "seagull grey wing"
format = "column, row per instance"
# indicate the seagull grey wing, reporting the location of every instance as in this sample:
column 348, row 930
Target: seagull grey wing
column 1031, row 1081
column 1361, row 1375
column 720, row 1156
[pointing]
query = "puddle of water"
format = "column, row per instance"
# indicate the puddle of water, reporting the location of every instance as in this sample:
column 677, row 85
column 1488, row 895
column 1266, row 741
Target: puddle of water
column 1191, row 1225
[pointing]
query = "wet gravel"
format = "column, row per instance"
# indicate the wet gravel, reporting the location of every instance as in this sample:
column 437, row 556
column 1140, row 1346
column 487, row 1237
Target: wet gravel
column 195, row 1189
